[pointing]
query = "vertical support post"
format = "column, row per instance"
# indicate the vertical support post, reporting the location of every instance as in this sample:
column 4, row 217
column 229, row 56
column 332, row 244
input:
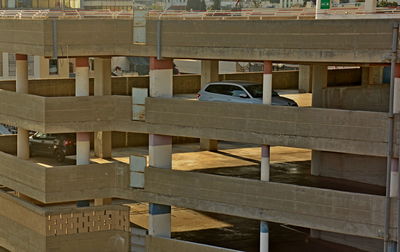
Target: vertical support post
column 6, row 66
column 160, row 147
column 264, row 236
column 265, row 152
column 267, row 83
column 37, row 66
column 370, row 6
column 102, row 86
column 22, row 87
column 394, row 173
column 305, row 77
column 82, row 138
column 209, row 73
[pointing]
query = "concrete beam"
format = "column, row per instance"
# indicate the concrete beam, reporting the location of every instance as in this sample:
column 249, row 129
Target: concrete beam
column 322, row 209
column 276, row 40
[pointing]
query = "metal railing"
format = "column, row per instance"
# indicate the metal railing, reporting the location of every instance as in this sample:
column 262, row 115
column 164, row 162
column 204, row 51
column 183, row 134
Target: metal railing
column 268, row 13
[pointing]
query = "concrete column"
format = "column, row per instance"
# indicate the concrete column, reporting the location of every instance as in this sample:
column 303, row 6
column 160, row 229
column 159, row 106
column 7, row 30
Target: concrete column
column 160, row 155
column 319, row 82
column 22, row 87
column 6, row 66
column 371, row 75
column 264, row 236
column 265, row 152
column 370, row 6
column 21, row 73
column 161, row 81
column 37, row 66
column 102, row 86
column 209, row 73
column 267, row 82
column 82, row 138
column 160, row 147
column 265, row 166
column 394, row 174
column 305, row 77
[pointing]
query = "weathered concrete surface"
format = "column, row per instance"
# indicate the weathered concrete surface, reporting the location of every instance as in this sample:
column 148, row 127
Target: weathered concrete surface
column 23, row 110
column 278, row 40
column 64, row 183
column 27, row 227
column 347, row 213
column 338, row 130
column 367, row 98
column 366, row 169
column 8, row 144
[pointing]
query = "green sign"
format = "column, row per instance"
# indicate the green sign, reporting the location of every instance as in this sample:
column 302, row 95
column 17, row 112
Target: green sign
column 325, row 4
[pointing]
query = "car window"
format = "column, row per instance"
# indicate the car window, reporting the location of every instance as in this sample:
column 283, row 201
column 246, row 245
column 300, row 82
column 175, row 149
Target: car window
column 230, row 90
column 216, row 89
column 256, row 91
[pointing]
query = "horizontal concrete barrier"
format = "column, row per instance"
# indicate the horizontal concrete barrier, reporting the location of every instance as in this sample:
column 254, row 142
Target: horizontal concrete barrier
column 8, row 144
column 322, row 209
column 354, row 132
column 62, row 229
column 64, row 183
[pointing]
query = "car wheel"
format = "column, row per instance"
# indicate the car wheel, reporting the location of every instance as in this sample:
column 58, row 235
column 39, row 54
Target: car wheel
column 59, row 156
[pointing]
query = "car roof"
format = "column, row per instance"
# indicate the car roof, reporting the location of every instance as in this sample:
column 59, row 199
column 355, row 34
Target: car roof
column 237, row 82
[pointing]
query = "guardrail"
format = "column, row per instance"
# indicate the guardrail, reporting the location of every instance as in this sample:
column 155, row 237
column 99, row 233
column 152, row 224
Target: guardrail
column 267, row 13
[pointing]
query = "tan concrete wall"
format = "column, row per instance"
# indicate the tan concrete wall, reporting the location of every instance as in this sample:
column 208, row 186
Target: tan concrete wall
column 366, row 98
column 26, row 111
column 66, row 183
column 277, row 40
column 322, row 209
column 365, row 169
column 8, row 144
column 339, row 130
column 183, row 84
column 27, row 227
column 344, row 77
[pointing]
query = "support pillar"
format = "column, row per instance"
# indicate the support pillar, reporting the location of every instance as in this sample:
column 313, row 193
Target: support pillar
column 209, row 73
column 265, row 152
column 319, row 82
column 370, row 6
column 394, row 174
column 37, row 60
column 82, row 138
column 160, row 147
column 264, row 236
column 6, row 66
column 22, row 87
column 305, row 77
column 371, row 75
column 102, row 86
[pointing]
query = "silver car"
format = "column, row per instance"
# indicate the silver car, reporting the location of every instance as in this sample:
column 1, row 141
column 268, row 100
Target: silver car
column 239, row 91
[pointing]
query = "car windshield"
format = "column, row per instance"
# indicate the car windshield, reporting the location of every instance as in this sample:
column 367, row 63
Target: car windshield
column 256, row 91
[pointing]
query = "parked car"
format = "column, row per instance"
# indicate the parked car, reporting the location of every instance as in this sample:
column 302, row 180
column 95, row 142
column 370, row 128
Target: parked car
column 56, row 145
column 239, row 91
